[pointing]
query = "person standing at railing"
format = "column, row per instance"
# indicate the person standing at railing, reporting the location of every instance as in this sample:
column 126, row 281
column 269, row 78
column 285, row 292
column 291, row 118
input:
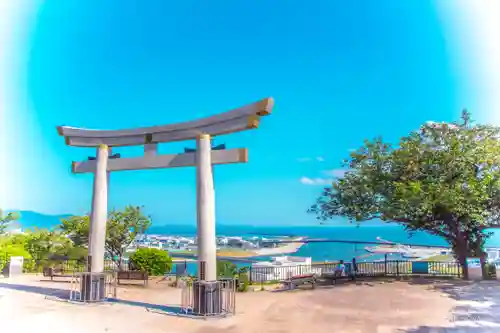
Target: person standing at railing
column 340, row 269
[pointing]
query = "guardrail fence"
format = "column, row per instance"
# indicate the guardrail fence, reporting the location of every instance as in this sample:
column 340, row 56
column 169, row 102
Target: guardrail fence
column 65, row 265
column 263, row 274
column 392, row 268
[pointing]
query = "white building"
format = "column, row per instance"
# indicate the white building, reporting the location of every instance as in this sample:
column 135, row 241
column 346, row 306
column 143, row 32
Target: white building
column 222, row 241
column 282, row 268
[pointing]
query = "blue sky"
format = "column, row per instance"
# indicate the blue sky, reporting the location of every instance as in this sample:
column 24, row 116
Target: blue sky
column 339, row 72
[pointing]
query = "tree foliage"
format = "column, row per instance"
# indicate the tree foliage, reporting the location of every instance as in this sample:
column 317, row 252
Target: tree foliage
column 121, row 229
column 15, row 250
column 442, row 178
column 39, row 248
column 43, row 244
column 226, row 269
column 77, row 228
column 5, row 220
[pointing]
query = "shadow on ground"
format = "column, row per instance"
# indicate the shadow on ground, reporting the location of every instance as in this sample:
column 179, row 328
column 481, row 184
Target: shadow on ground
column 53, row 292
column 63, row 294
column 168, row 309
column 58, row 281
column 479, row 308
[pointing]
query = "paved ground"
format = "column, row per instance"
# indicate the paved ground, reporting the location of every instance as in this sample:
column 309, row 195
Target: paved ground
column 378, row 307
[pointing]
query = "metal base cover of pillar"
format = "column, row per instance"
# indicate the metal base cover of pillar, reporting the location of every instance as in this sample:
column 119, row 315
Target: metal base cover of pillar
column 207, row 298
column 92, row 287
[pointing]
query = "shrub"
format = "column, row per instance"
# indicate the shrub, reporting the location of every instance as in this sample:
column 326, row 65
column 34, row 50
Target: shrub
column 491, row 271
column 226, row 269
column 155, row 262
column 243, row 282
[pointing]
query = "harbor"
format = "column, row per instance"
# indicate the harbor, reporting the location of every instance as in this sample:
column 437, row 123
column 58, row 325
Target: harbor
column 253, row 247
column 275, row 255
column 228, row 247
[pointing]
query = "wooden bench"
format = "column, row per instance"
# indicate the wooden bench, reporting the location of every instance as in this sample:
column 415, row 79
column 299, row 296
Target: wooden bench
column 298, row 280
column 53, row 272
column 132, row 275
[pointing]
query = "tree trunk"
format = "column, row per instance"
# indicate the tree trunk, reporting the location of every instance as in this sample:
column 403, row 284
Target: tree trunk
column 482, row 257
column 459, row 245
column 474, row 244
column 484, row 269
column 120, row 261
column 461, row 253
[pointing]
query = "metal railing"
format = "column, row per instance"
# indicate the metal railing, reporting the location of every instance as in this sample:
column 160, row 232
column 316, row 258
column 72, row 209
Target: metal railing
column 279, row 273
column 408, row 268
column 66, row 265
column 392, row 268
column 262, row 274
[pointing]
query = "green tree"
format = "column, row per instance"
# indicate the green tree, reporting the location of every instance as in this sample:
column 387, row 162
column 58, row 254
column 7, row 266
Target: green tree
column 121, row 230
column 443, row 179
column 77, row 229
column 154, row 261
column 15, row 250
column 5, row 220
column 42, row 244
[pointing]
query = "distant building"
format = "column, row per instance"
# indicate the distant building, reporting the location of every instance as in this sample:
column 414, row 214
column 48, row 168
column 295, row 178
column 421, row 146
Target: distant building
column 268, row 244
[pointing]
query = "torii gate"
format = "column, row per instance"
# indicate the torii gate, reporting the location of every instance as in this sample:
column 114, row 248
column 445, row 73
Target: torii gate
column 240, row 119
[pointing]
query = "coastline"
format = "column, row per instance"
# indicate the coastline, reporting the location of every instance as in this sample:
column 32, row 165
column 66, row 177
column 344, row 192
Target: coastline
column 176, row 260
column 287, row 248
column 243, row 256
column 318, row 251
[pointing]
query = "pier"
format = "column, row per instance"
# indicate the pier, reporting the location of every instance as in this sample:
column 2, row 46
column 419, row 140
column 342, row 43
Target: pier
column 327, row 240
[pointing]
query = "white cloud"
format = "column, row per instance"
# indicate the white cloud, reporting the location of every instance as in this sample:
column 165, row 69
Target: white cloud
column 336, row 173
column 331, row 176
column 315, row 181
column 310, row 159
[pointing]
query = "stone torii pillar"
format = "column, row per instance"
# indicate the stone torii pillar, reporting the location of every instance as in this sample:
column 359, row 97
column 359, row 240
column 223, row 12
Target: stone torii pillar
column 99, row 213
column 205, row 203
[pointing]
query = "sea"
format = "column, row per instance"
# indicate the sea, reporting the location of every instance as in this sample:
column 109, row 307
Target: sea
column 320, row 252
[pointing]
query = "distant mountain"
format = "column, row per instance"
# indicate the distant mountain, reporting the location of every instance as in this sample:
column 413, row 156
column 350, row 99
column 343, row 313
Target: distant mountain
column 30, row 219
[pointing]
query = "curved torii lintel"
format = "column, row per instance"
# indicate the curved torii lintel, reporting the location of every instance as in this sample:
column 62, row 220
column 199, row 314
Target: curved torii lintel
column 240, row 119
